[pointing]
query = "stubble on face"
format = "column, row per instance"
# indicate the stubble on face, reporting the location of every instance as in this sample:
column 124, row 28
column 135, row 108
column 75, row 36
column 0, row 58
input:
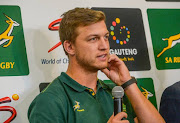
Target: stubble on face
column 91, row 64
column 88, row 55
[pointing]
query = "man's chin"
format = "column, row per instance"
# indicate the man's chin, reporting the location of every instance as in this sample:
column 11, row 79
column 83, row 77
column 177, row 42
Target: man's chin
column 102, row 66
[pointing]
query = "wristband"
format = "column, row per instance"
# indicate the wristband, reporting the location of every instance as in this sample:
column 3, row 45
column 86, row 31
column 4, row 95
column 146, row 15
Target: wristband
column 129, row 82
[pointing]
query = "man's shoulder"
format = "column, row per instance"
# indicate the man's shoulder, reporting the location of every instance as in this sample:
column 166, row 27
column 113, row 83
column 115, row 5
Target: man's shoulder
column 54, row 90
column 47, row 105
column 174, row 87
column 172, row 91
column 53, row 87
column 53, row 95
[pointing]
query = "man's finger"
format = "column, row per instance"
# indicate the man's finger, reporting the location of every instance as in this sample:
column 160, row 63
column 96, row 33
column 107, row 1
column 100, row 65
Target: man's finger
column 120, row 115
column 106, row 72
column 110, row 119
column 124, row 121
column 113, row 57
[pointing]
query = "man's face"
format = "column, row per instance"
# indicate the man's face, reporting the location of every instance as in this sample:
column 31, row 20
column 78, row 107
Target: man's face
column 92, row 46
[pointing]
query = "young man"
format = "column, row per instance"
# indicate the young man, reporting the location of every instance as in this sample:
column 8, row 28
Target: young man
column 78, row 96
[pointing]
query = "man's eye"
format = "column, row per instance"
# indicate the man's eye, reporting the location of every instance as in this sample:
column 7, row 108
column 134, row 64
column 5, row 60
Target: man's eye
column 93, row 39
column 106, row 37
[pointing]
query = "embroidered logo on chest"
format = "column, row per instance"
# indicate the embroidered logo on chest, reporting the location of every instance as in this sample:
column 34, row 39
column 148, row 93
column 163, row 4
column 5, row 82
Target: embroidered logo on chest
column 77, row 107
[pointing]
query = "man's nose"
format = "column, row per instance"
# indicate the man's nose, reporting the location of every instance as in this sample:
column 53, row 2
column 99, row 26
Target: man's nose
column 103, row 44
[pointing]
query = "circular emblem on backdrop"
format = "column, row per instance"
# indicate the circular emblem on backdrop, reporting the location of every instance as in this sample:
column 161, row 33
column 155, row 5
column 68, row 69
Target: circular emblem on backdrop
column 121, row 30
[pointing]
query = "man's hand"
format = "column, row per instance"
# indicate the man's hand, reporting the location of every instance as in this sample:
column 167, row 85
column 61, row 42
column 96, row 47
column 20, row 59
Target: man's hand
column 118, row 118
column 117, row 70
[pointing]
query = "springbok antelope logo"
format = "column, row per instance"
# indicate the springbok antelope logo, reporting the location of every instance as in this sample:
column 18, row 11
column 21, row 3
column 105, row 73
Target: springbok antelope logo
column 172, row 41
column 6, row 35
column 77, row 106
column 146, row 93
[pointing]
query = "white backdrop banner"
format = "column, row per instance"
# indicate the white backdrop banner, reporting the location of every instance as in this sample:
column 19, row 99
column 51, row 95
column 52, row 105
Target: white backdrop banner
column 31, row 52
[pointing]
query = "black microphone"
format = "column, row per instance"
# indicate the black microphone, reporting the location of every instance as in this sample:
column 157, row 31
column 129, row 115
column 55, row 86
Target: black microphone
column 117, row 93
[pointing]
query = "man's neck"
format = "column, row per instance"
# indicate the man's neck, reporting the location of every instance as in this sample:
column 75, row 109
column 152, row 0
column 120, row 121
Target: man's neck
column 83, row 76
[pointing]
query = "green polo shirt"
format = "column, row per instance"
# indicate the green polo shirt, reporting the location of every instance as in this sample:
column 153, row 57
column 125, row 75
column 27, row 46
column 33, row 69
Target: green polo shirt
column 66, row 101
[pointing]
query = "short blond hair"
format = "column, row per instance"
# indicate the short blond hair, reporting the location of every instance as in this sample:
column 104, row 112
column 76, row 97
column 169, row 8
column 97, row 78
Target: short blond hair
column 75, row 18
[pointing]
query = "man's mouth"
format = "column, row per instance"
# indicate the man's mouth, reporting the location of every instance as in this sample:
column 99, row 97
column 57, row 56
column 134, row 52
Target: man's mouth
column 103, row 57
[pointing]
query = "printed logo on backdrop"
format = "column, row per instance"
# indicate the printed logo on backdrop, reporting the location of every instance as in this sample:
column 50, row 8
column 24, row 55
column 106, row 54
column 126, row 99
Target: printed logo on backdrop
column 10, row 109
column 54, row 26
column 146, row 86
column 127, row 37
column 165, row 33
column 13, row 55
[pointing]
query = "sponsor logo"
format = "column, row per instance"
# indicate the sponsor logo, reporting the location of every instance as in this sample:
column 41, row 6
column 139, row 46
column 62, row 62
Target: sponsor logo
column 146, row 87
column 9, row 108
column 55, row 61
column 164, row 26
column 7, row 65
column 172, row 41
column 6, row 35
column 127, row 37
column 120, row 35
column 121, row 30
column 124, row 34
column 146, row 93
column 52, row 26
column 6, row 39
column 77, row 107
column 13, row 55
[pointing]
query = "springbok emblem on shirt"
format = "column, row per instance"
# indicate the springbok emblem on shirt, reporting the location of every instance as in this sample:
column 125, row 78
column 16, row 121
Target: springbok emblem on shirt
column 172, row 41
column 77, row 106
column 146, row 93
column 6, row 35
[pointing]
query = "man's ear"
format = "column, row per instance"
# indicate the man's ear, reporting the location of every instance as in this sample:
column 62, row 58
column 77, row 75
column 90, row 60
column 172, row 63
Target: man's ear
column 69, row 47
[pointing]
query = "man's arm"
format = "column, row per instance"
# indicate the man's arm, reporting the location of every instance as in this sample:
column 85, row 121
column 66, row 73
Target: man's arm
column 145, row 111
column 119, row 74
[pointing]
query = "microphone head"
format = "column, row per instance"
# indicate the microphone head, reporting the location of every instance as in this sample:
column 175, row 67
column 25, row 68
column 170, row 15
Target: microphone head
column 117, row 92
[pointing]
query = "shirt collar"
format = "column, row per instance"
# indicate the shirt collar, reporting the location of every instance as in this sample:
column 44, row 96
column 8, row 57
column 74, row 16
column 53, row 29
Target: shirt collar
column 100, row 84
column 71, row 82
column 76, row 86
column 107, row 84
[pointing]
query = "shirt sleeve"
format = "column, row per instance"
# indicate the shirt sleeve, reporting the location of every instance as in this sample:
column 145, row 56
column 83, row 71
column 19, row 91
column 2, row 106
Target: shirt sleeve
column 46, row 108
